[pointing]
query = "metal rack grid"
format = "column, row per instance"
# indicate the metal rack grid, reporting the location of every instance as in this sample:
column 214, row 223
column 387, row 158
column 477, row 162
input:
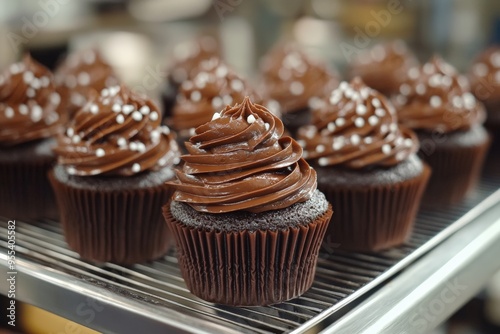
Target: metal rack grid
column 155, row 292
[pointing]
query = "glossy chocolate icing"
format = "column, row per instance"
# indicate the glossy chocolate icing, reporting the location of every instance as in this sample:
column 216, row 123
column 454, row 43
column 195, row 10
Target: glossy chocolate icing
column 79, row 74
column 294, row 79
column 437, row 97
column 214, row 86
column 239, row 161
column 484, row 76
column 29, row 103
column 117, row 133
column 356, row 128
column 188, row 55
column 384, row 67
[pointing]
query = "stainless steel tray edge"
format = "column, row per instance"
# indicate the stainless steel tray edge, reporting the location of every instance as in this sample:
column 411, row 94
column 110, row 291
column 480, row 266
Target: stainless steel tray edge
column 489, row 202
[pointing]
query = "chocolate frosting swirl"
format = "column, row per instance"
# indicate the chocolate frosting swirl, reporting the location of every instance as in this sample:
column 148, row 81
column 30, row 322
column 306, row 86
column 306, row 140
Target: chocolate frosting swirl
column 188, row 56
column 29, row 103
column 294, row 80
column 436, row 97
column 356, row 128
column 79, row 74
column 484, row 75
column 117, row 133
column 384, row 67
column 214, row 86
column 239, row 161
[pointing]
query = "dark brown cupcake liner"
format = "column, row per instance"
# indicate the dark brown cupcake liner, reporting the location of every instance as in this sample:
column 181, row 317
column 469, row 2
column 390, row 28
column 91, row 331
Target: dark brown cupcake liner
column 455, row 172
column 25, row 191
column 492, row 114
column 114, row 225
column 248, row 268
column 372, row 218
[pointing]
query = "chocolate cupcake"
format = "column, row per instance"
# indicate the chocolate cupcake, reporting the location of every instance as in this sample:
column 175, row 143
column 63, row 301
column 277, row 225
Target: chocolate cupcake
column 186, row 59
column 80, row 74
column 438, row 105
column 113, row 162
column 29, row 118
column 246, row 215
column 366, row 166
column 296, row 82
column 214, row 86
column 484, row 76
column 385, row 66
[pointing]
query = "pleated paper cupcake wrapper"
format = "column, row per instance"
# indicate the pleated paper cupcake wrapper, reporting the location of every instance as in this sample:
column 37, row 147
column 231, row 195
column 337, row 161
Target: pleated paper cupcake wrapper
column 455, row 172
column 120, row 226
column 374, row 217
column 493, row 115
column 248, row 268
column 25, row 191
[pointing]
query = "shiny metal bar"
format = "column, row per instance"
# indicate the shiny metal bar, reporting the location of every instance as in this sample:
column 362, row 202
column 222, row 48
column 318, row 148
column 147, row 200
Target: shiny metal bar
column 434, row 287
column 153, row 298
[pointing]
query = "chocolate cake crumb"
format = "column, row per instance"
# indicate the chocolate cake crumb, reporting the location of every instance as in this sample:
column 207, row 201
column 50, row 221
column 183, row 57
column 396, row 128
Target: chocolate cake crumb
column 405, row 170
column 293, row 216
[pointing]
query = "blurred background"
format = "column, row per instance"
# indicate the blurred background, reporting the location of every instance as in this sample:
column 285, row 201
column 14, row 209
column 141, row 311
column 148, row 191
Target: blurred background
column 140, row 37
column 135, row 34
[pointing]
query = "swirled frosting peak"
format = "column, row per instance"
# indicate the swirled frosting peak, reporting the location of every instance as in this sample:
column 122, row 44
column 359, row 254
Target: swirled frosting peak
column 214, row 86
column 80, row 73
column 384, row 67
column 295, row 80
column 188, row 55
column 239, row 161
column 357, row 128
column 116, row 133
column 29, row 103
column 484, row 76
column 437, row 97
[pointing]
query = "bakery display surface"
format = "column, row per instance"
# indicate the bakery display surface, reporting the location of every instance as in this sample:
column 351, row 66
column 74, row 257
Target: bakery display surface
column 306, row 166
column 153, row 298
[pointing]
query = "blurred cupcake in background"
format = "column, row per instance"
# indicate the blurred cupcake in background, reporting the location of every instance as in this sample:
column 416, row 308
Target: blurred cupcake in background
column 385, row 66
column 484, row 76
column 80, row 74
column 29, row 119
column 437, row 103
column 367, row 167
column 113, row 161
column 186, row 59
column 296, row 82
column 214, row 86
